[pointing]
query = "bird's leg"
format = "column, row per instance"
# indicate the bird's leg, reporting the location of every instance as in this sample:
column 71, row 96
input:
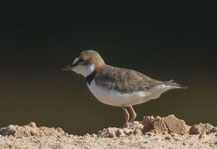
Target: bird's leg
column 133, row 117
column 127, row 115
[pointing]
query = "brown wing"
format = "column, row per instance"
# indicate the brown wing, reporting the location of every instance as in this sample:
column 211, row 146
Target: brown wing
column 124, row 80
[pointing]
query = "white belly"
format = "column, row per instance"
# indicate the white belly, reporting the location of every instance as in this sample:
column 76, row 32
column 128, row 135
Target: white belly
column 116, row 98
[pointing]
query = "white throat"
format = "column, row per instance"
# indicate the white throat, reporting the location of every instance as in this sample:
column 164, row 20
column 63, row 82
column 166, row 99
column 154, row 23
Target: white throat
column 84, row 70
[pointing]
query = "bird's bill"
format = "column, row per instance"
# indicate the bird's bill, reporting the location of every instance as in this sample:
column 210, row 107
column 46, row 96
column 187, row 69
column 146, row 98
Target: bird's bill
column 67, row 68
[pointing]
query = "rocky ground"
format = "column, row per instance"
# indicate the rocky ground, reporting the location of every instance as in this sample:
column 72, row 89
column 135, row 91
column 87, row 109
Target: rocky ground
column 152, row 132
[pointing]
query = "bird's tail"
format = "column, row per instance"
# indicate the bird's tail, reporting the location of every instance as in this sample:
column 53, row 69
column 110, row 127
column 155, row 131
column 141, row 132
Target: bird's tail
column 173, row 84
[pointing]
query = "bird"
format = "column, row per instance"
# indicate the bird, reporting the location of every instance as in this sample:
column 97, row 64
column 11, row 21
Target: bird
column 120, row 87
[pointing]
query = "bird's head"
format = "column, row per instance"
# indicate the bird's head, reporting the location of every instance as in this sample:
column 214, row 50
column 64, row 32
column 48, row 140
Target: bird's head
column 87, row 62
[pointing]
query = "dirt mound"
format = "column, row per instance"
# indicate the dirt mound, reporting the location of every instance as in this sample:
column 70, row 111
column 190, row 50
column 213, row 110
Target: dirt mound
column 134, row 128
column 202, row 128
column 169, row 124
column 157, row 125
column 31, row 130
column 152, row 132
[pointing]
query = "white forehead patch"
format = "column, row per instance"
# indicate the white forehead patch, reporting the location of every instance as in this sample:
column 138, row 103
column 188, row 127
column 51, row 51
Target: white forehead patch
column 76, row 60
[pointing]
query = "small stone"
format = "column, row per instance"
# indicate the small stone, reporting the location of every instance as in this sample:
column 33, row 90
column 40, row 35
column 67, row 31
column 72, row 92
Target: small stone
column 32, row 124
column 137, row 132
column 200, row 128
column 120, row 133
column 147, row 123
column 149, row 134
column 111, row 135
column 167, row 138
column 213, row 130
column 87, row 135
column 60, row 129
column 11, row 127
column 173, row 134
column 158, row 117
column 203, row 135
column 7, row 131
column 93, row 135
column 108, row 132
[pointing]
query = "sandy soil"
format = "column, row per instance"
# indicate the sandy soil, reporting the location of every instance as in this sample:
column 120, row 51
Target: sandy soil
column 151, row 132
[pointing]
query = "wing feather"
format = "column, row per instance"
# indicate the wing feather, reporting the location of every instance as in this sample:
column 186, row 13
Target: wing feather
column 124, row 80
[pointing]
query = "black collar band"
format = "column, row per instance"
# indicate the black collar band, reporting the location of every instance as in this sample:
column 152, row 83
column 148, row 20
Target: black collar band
column 90, row 77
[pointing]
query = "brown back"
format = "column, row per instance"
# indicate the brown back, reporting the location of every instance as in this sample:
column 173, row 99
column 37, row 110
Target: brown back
column 124, row 80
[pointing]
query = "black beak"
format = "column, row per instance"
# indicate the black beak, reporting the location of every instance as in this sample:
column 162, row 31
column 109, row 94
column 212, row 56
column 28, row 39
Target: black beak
column 70, row 67
column 66, row 68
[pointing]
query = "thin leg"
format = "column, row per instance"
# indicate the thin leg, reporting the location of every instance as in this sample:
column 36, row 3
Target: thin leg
column 127, row 115
column 133, row 117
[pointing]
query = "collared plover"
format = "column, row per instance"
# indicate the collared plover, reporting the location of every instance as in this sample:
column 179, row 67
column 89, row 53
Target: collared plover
column 118, row 86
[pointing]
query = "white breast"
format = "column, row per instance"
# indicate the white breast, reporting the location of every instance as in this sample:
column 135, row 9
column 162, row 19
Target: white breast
column 115, row 98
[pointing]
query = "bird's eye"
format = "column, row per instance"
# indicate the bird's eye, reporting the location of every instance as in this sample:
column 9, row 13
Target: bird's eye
column 77, row 61
column 80, row 60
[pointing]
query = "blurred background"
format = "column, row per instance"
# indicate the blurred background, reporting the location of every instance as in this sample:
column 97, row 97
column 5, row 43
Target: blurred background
column 163, row 39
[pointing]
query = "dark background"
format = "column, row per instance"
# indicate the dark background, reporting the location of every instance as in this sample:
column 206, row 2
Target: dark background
column 163, row 39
